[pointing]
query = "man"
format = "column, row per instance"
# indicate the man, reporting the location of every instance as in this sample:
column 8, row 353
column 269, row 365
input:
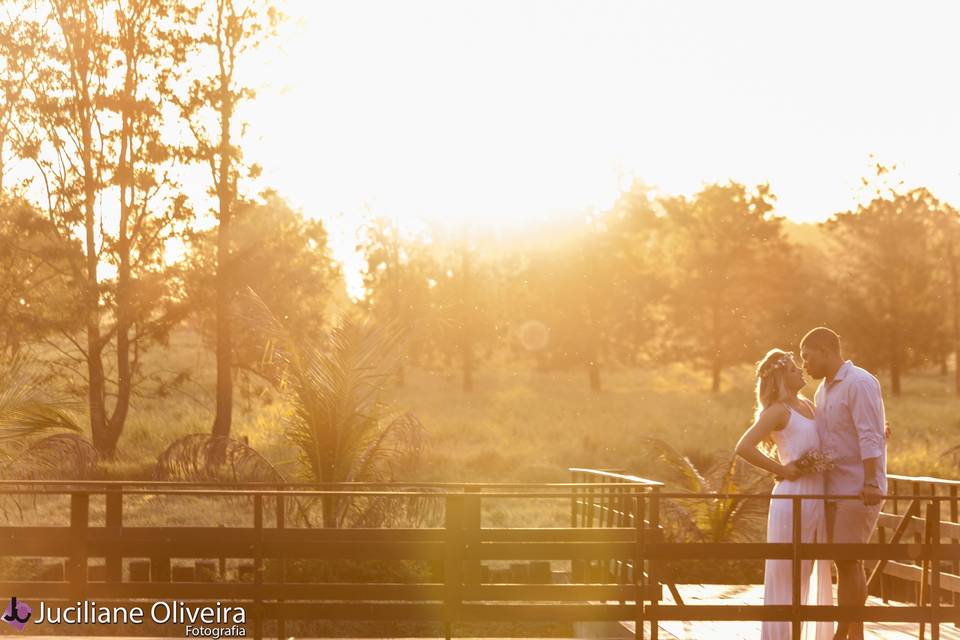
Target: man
column 850, row 422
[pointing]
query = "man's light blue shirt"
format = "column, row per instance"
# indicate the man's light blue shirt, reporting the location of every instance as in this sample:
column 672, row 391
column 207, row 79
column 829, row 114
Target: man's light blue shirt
column 851, row 424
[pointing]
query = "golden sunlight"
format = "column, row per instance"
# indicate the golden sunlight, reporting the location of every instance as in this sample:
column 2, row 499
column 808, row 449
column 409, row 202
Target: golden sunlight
column 488, row 318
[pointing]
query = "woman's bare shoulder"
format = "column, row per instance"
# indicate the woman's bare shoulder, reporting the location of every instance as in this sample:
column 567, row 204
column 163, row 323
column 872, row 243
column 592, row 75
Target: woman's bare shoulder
column 776, row 416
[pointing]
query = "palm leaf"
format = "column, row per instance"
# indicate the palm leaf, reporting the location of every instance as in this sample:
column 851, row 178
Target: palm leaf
column 62, row 456
column 716, row 519
column 682, row 471
column 340, row 421
column 26, row 411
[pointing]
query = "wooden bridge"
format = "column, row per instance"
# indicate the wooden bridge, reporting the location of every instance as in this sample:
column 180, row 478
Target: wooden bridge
column 612, row 558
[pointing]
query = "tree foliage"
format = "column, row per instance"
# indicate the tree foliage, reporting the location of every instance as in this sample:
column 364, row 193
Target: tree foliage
column 885, row 273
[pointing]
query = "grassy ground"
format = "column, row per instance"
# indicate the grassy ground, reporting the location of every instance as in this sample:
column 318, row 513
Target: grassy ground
column 520, row 425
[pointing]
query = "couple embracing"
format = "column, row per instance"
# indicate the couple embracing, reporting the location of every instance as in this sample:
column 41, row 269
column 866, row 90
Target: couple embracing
column 835, row 447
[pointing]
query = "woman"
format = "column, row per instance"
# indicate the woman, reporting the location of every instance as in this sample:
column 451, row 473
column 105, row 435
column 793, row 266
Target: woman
column 786, row 420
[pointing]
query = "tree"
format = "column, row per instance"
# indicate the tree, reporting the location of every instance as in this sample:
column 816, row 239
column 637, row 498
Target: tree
column 40, row 293
column 19, row 40
column 632, row 244
column 887, row 279
column 145, row 51
column 570, row 288
column 729, row 274
column 278, row 254
column 949, row 242
column 91, row 127
column 461, row 307
column 229, row 30
column 396, row 281
column 342, row 423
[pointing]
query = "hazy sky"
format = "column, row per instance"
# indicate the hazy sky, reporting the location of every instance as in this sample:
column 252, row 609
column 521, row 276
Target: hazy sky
column 516, row 111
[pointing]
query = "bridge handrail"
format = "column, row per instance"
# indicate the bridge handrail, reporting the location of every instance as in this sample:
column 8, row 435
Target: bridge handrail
column 635, row 546
column 604, row 473
column 923, row 479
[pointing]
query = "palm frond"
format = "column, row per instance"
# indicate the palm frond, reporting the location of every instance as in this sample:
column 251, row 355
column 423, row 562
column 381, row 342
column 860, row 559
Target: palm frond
column 682, row 471
column 191, row 459
column 203, row 457
column 340, row 420
column 26, row 410
column 62, row 456
column 718, row 518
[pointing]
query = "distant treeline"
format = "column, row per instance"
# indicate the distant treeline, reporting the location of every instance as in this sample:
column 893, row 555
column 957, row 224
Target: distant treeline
column 713, row 280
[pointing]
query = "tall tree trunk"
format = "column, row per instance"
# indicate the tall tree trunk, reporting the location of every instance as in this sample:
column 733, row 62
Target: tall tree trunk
column 466, row 322
column 224, row 414
column 715, row 370
column 955, row 304
column 96, row 380
column 468, row 365
column 393, row 264
column 3, row 141
column 224, row 280
column 124, row 309
column 593, row 368
column 896, row 365
column 593, row 352
column 716, row 363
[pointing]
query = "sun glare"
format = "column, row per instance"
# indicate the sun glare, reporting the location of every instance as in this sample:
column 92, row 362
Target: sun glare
column 510, row 113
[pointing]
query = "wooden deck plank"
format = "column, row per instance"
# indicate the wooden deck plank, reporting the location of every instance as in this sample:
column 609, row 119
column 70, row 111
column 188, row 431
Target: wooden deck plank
column 752, row 594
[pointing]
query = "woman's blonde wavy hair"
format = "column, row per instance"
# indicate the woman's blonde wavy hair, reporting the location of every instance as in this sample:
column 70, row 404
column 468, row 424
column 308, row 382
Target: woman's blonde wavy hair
column 771, row 386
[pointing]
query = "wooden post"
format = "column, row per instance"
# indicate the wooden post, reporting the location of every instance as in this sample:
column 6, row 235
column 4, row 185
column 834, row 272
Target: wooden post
column 796, row 623
column 917, row 538
column 624, row 505
column 222, row 562
column 114, row 522
column 573, row 500
column 472, row 517
column 925, row 570
column 607, row 513
column 590, row 504
column 654, row 579
column 638, row 576
column 258, row 567
column 955, row 565
column 611, row 502
column 882, row 534
column 79, row 524
column 453, row 560
column 281, row 524
column 576, row 514
column 933, row 518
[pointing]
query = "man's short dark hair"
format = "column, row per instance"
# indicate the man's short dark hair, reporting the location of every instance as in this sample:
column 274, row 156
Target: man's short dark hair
column 823, row 339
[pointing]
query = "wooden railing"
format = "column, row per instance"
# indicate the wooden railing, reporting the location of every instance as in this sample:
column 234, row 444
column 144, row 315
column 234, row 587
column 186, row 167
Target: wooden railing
column 913, row 512
column 459, row 546
column 904, row 519
column 617, row 569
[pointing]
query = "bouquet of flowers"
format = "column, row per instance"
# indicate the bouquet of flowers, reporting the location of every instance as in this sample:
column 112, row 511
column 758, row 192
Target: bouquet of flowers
column 815, row 461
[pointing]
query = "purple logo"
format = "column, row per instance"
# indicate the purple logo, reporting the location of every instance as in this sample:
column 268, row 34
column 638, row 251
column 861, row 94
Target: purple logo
column 17, row 615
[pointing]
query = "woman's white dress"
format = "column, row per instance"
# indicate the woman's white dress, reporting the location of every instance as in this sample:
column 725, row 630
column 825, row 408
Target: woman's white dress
column 795, row 439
